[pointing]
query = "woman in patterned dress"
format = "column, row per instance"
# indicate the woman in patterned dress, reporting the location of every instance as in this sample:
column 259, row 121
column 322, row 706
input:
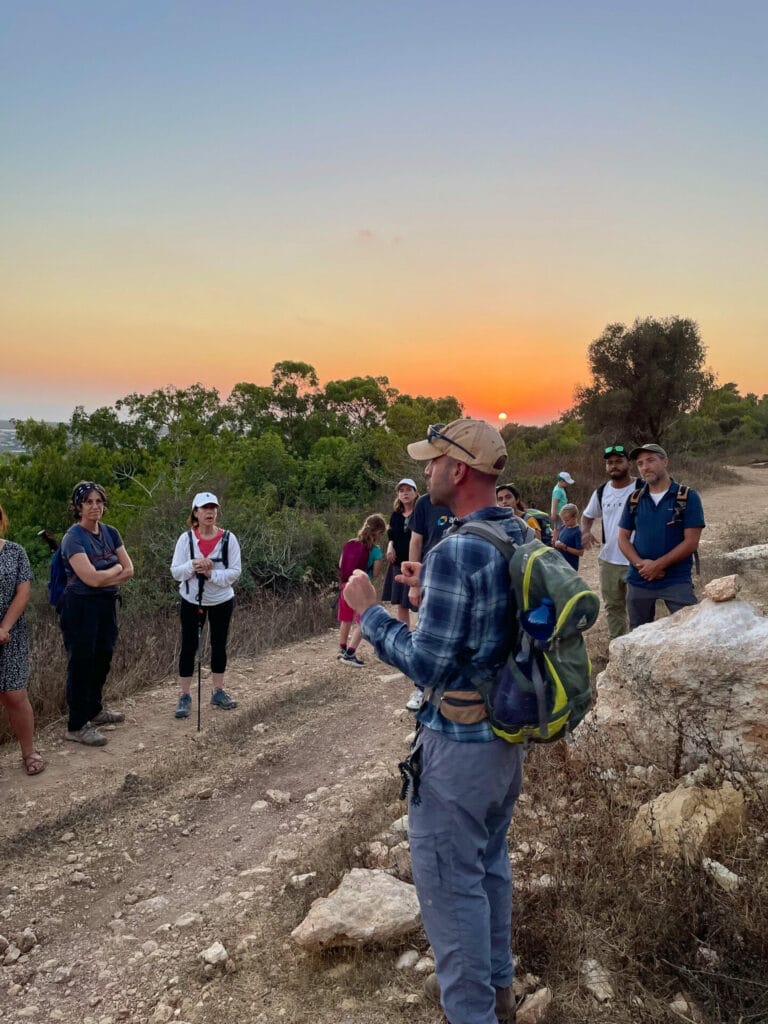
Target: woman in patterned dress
column 15, row 587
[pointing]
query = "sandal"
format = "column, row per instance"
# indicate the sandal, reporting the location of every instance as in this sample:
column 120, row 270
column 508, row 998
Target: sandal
column 33, row 763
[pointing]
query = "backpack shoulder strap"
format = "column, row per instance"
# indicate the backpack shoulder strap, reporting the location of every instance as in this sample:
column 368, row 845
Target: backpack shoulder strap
column 634, row 499
column 599, row 493
column 225, row 549
column 191, row 555
column 493, row 534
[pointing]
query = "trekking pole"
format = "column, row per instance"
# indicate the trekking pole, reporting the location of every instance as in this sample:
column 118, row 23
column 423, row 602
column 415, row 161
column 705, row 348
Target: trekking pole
column 200, row 623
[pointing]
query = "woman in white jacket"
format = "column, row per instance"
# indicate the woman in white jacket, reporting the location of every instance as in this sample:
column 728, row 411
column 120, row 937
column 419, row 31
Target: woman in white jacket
column 206, row 563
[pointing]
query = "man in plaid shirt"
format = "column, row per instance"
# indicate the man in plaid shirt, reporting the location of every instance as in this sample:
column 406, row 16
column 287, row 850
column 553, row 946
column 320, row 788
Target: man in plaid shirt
column 465, row 779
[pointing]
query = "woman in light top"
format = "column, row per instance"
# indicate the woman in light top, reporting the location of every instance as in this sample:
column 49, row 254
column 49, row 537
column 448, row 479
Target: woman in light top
column 206, row 563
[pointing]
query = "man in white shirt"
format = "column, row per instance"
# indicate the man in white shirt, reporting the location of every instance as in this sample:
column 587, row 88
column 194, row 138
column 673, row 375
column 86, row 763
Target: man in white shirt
column 607, row 503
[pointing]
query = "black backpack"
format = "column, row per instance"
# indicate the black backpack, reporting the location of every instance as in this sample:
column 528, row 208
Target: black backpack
column 638, row 487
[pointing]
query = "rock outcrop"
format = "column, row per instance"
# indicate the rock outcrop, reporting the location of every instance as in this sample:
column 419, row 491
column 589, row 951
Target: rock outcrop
column 689, row 683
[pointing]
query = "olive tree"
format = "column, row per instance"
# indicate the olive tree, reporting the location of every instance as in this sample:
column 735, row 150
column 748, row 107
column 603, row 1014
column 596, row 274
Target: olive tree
column 643, row 378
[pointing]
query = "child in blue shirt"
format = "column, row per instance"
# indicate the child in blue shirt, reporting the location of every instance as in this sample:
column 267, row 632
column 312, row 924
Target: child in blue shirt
column 568, row 541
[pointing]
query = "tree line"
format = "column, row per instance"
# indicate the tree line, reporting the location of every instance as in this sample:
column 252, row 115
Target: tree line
column 277, row 452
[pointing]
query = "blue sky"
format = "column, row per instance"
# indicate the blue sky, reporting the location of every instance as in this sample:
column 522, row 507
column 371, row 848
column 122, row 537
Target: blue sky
column 194, row 191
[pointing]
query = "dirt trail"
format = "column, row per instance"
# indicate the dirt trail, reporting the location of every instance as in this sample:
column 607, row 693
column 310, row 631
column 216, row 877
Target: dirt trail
column 102, row 853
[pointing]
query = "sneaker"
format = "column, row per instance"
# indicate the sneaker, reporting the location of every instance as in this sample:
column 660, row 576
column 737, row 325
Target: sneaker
column 415, row 701
column 341, row 654
column 88, row 735
column 350, row 658
column 184, row 706
column 221, row 699
column 106, row 717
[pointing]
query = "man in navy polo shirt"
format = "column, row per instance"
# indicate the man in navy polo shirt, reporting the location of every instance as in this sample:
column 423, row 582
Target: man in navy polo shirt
column 660, row 554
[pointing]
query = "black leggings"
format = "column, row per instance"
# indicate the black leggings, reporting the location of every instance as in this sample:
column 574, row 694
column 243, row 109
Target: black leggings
column 218, row 616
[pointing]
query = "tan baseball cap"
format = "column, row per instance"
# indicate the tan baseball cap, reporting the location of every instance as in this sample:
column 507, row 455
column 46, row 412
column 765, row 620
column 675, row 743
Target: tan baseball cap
column 473, row 442
column 655, row 448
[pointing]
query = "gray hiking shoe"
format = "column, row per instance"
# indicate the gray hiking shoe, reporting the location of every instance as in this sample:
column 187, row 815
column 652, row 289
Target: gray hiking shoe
column 221, row 699
column 184, row 706
column 106, row 717
column 351, row 659
column 88, row 735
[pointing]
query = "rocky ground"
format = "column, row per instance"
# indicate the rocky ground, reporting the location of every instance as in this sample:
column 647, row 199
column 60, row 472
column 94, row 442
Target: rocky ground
column 123, row 864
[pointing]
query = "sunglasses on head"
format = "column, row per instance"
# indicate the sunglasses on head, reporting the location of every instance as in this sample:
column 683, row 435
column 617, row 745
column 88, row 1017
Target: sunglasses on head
column 615, row 449
column 434, row 431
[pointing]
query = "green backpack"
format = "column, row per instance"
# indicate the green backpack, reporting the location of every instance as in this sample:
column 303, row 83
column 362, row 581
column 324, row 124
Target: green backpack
column 543, row 689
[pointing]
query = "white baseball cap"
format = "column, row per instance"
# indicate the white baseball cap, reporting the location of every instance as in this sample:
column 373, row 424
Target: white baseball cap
column 204, row 498
column 567, row 477
column 407, row 480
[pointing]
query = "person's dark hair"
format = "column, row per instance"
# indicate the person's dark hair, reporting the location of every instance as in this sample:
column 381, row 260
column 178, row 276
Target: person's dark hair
column 80, row 493
column 3, row 521
column 372, row 527
column 519, row 503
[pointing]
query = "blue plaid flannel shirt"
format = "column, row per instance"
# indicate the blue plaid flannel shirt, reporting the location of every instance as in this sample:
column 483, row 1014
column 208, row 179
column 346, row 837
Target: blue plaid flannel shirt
column 463, row 621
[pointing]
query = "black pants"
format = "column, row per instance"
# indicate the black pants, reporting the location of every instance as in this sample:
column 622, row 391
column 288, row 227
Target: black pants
column 218, row 616
column 89, row 625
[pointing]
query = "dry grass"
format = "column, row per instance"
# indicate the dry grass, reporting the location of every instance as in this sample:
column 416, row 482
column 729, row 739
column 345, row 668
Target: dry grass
column 643, row 918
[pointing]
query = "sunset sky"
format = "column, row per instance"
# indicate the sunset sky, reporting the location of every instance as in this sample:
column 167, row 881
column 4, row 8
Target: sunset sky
column 457, row 195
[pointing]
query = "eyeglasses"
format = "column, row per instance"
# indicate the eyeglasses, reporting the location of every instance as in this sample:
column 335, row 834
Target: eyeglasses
column 434, row 431
column 615, row 449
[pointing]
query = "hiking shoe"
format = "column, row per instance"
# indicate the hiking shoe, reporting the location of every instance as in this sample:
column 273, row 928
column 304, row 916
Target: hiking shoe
column 505, row 1000
column 106, row 717
column 431, row 989
column 350, row 658
column 414, row 702
column 341, row 654
column 88, row 735
column 506, row 1011
column 221, row 699
column 184, row 706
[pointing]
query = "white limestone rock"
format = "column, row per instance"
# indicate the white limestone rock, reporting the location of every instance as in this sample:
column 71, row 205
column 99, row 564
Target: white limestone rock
column 367, row 907
column 534, row 1007
column 719, row 873
column 215, row 954
column 596, row 980
column 700, row 671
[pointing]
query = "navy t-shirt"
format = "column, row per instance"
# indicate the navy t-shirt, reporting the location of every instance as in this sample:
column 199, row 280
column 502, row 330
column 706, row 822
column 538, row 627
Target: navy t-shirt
column 98, row 548
column 571, row 537
column 431, row 521
column 658, row 529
